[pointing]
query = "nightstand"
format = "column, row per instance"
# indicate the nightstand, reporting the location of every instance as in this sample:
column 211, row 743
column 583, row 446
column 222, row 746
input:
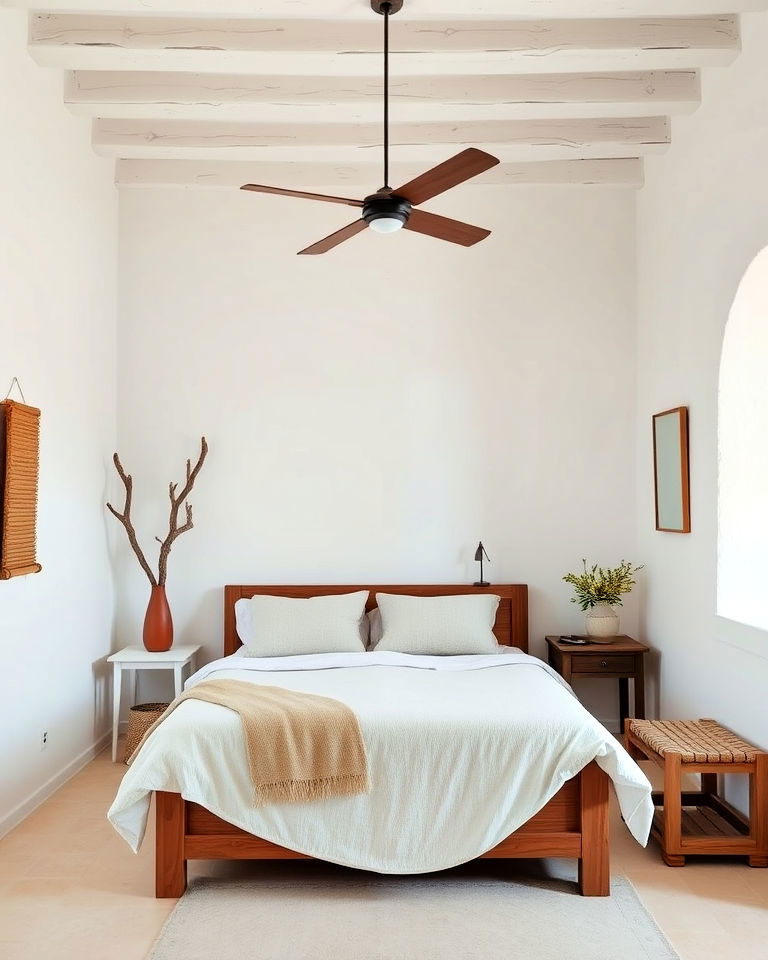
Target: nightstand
column 621, row 660
column 137, row 658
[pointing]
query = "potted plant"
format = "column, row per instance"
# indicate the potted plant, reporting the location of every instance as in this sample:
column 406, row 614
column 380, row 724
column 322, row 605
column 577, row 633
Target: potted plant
column 598, row 590
column 158, row 625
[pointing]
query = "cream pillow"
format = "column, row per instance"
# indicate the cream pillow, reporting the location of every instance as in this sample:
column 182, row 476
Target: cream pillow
column 287, row 626
column 453, row 625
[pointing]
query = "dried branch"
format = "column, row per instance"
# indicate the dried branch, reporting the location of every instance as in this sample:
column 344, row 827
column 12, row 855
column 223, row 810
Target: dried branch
column 125, row 519
column 174, row 529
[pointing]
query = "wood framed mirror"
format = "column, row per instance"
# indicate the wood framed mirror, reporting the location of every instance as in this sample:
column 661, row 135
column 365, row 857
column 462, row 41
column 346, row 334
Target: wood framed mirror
column 671, row 471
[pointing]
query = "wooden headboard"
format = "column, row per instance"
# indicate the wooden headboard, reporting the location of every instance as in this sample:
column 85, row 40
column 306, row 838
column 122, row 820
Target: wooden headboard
column 511, row 626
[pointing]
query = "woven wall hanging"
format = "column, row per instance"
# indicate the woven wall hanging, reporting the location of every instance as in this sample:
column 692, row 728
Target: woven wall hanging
column 19, row 470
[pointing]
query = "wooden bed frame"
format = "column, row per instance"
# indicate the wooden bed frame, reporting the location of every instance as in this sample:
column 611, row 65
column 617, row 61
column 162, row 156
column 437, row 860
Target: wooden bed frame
column 573, row 824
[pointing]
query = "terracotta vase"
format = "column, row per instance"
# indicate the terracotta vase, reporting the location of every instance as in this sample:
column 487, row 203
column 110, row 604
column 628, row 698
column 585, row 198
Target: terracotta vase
column 158, row 625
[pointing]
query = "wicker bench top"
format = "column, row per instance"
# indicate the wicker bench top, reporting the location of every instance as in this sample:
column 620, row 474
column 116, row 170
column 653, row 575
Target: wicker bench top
column 697, row 741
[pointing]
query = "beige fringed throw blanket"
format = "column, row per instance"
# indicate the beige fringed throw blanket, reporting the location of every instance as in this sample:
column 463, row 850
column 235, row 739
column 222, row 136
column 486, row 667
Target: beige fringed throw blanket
column 300, row 747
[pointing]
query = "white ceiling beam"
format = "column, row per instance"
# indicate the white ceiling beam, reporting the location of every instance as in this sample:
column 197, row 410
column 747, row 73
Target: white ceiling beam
column 363, row 177
column 511, row 141
column 413, row 9
column 246, row 98
column 312, row 48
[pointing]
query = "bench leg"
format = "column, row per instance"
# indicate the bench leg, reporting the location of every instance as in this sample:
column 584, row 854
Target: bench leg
column 673, row 859
column 673, row 810
column 758, row 810
column 709, row 783
column 170, row 865
column 594, row 866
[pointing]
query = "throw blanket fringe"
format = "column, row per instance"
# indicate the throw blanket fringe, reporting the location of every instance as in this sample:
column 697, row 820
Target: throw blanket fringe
column 304, row 791
column 301, row 747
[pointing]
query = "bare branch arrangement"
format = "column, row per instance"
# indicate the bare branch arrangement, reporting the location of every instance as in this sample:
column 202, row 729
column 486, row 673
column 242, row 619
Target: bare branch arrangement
column 174, row 528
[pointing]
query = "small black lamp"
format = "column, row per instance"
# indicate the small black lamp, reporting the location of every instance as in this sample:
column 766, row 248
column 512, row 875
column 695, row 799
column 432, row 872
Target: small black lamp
column 479, row 554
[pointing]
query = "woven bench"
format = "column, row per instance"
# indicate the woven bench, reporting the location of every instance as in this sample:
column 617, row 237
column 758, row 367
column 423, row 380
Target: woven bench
column 702, row 822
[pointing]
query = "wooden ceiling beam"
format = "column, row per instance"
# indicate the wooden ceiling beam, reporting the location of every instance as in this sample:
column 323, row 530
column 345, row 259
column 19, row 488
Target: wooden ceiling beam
column 511, row 141
column 413, row 9
column 247, row 98
column 360, row 177
column 313, row 48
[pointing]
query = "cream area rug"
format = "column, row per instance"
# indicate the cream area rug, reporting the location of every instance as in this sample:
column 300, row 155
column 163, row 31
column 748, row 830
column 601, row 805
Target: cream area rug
column 319, row 912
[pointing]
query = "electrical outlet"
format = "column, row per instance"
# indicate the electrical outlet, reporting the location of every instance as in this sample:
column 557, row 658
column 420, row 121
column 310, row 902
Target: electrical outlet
column 43, row 739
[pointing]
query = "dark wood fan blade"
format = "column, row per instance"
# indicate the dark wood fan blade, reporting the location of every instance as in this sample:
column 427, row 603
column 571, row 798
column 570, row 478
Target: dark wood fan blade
column 463, row 166
column 258, row 188
column 444, row 229
column 323, row 246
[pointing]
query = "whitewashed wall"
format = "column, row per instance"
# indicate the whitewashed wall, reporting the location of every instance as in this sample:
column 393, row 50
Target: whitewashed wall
column 371, row 413
column 702, row 217
column 58, row 280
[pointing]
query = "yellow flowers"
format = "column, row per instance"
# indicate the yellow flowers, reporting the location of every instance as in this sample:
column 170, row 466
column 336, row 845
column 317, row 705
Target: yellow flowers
column 602, row 585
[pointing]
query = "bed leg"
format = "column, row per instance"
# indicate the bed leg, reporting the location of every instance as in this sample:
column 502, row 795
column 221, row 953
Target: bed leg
column 594, row 869
column 170, row 865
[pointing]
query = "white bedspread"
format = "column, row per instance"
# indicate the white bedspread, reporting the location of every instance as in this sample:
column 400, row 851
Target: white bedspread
column 461, row 751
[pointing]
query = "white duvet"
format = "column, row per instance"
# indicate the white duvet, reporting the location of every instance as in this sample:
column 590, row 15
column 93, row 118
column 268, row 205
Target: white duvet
column 461, row 752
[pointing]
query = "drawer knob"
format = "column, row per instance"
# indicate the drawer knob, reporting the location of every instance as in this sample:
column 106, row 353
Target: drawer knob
column 603, row 663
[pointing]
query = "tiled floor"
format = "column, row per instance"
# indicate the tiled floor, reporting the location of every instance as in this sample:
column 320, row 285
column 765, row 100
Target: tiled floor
column 70, row 889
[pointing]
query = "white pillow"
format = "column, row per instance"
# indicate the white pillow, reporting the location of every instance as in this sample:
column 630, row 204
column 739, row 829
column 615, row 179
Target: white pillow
column 287, row 626
column 452, row 625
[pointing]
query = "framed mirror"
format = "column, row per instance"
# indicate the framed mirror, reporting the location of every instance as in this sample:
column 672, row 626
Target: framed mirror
column 671, row 470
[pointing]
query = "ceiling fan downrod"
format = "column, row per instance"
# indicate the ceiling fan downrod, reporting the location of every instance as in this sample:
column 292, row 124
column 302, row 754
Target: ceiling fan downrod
column 386, row 8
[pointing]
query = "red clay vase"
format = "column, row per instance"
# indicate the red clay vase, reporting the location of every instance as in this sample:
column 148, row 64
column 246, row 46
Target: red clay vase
column 158, row 625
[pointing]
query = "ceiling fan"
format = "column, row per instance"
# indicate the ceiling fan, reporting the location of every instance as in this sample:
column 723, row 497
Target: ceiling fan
column 388, row 210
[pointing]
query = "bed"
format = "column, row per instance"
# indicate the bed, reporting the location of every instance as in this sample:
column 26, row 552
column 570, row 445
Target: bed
column 572, row 823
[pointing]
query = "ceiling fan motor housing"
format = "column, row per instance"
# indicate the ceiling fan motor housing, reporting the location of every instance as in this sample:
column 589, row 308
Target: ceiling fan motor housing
column 386, row 204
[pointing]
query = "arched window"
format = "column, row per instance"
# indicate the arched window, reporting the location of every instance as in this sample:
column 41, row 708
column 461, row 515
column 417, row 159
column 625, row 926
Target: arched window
column 742, row 568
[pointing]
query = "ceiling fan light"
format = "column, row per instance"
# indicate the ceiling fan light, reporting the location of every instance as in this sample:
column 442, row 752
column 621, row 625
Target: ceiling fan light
column 386, row 224
column 385, row 212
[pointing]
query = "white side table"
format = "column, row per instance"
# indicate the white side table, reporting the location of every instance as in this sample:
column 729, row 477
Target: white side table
column 137, row 658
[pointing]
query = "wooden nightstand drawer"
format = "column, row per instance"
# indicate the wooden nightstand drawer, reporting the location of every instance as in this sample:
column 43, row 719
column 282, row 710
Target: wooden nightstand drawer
column 603, row 663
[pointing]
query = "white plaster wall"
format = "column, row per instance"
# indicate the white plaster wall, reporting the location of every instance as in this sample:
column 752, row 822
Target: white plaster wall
column 58, row 281
column 372, row 412
column 702, row 217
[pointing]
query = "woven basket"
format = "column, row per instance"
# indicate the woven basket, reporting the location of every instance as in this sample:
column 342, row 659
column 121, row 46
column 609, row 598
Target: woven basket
column 140, row 719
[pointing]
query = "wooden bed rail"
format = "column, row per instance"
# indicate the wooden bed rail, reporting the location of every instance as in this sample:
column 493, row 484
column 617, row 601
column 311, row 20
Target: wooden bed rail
column 573, row 824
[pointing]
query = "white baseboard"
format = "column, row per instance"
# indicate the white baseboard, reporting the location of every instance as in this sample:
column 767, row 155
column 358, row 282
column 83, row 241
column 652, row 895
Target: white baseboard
column 23, row 810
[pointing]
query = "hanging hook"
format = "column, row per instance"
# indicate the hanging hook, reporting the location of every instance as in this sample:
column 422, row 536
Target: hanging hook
column 18, row 387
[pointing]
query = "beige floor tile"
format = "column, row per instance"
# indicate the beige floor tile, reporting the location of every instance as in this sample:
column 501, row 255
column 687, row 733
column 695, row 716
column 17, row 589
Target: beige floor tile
column 28, row 950
column 757, row 878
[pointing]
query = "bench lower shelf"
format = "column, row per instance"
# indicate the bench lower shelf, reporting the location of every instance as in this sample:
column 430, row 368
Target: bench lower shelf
column 709, row 826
